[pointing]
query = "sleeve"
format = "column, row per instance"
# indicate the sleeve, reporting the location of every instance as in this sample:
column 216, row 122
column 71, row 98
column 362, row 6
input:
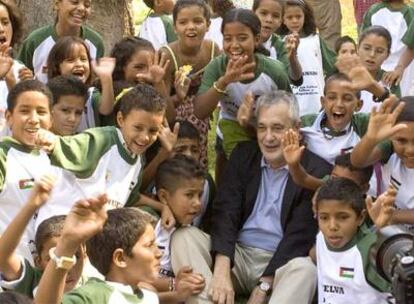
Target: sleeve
column 308, row 120
column 211, row 74
column 26, row 51
column 328, row 58
column 386, row 149
column 408, row 38
column 281, row 51
column 169, row 29
column 3, row 166
column 81, row 153
column 276, row 70
column 366, row 22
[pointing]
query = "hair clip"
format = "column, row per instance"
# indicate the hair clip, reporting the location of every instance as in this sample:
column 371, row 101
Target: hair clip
column 122, row 94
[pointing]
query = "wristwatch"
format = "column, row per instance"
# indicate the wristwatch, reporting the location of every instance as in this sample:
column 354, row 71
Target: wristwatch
column 62, row 262
column 383, row 96
column 264, row 286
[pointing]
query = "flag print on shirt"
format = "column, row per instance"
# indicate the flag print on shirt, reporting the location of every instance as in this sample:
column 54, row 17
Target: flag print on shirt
column 345, row 272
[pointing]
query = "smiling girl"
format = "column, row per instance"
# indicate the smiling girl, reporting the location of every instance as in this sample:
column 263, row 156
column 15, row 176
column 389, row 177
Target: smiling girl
column 70, row 19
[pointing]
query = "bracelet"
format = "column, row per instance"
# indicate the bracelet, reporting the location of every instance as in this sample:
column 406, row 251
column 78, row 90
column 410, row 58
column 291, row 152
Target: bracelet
column 171, row 284
column 218, row 90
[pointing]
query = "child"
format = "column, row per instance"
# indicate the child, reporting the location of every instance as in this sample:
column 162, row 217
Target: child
column 345, row 46
column 395, row 123
column 345, row 273
column 17, row 273
column 231, row 75
column 315, row 58
column 120, row 244
column 374, row 47
column 179, row 182
column 69, row 98
column 191, row 51
column 22, row 163
column 70, row 19
column 270, row 13
column 11, row 70
column 158, row 27
column 110, row 159
column 70, row 56
column 396, row 16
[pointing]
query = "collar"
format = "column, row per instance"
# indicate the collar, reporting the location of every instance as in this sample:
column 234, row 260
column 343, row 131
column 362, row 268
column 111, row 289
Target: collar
column 329, row 133
column 266, row 165
column 124, row 145
column 12, row 142
column 56, row 37
column 122, row 288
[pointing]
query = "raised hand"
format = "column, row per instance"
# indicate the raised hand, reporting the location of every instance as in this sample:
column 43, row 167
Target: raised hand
column 157, row 69
column 352, row 66
column 167, row 137
column 292, row 44
column 104, row 67
column 292, row 150
column 6, row 61
column 167, row 218
column 245, row 111
column 41, row 190
column 382, row 122
column 393, row 77
column 181, row 84
column 381, row 211
column 25, row 74
column 239, row 70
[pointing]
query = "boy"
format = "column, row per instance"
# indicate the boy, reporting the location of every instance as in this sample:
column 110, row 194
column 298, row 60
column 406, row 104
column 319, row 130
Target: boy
column 390, row 139
column 158, row 28
column 179, row 182
column 17, row 273
column 121, row 245
column 69, row 98
column 345, row 274
column 21, row 162
column 109, row 159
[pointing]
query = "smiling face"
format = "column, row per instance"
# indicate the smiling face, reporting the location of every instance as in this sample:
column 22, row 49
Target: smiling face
column 270, row 15
column 72, row 13
column 77, row 64
column 294, row 18
column 338, row 222
column 139, row 63
column 6, row 28
column 140, row 129
column 238, row 41
column 31, row 113
column 185, row 201
column 191, row 26
column 403, row 144
column 272, row 122
column 373, row 50
column 340, row 102
column 67, row 113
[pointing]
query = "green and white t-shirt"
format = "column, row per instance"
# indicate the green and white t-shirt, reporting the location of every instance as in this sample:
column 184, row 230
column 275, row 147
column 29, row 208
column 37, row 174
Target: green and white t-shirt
column 90, row 116
column 346, row 275
column 36, row 47
column 98, row 162
column 158, row 29
column 20, row 167
column 397, row 22
column 276, row 47
column 96, row 291
column 316, row 60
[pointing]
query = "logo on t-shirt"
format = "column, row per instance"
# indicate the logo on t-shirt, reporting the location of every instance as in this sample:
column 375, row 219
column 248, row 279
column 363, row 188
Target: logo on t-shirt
column 346, row 272
column 26, row 183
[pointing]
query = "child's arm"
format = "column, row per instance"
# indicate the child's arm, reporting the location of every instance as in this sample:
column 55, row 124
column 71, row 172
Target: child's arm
column 245, row 114
column 6, row 63
column 85, row 219
column 381, row 126
column 394, row 77
column 236, row 70
column 312, row 254
column 292, row 44
column 103, row 68
column 152, row 203
column 292, row 153
column 10, row 263
column 381, row 211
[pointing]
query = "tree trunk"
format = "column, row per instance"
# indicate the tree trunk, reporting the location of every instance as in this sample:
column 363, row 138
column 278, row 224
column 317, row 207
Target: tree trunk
column 111, row 18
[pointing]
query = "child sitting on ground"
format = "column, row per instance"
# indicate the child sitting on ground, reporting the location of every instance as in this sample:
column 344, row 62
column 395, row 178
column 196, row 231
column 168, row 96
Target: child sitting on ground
column 158, row 27
column 345, row 273
column 179, row 182
column 120, row 244
column 69, row 99
column 16, row 272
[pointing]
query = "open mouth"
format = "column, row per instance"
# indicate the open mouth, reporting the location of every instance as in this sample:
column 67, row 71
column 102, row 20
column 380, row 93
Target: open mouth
column 191, row 35
column 32, row 130
column 337, row 115
column 78, row 73
column 3, row 39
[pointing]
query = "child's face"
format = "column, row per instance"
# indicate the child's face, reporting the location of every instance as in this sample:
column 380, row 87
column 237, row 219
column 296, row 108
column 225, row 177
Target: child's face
column 238, row 41
column 73, row 13
column 6, row 28
column 139, row 63
column 140, row 129
column 77, row 64
column 185, row 201
column 189, row 147
column 76, row 271
column 344, row 172
column 347, row 48
column 373, row 51
column 31, row 113
column 294, row 19
column 403, row 145
column 67, row 114
column 143, row 264
column 340, row 102
column 338, row 222
column 191, row 26
column 270, row 15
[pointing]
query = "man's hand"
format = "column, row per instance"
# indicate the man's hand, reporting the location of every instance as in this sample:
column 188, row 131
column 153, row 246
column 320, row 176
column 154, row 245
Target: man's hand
column 221, row 289
column 292, row 150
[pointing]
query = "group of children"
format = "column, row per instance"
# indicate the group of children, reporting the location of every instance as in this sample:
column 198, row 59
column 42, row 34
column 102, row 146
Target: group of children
column 91, row 141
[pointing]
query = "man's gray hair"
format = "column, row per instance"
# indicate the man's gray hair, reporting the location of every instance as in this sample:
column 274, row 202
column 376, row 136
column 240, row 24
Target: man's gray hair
column 276, row 97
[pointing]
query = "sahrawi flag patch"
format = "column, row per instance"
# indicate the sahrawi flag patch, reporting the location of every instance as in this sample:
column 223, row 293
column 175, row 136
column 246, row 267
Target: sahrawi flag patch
column 26, row 183
column 345, row 272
